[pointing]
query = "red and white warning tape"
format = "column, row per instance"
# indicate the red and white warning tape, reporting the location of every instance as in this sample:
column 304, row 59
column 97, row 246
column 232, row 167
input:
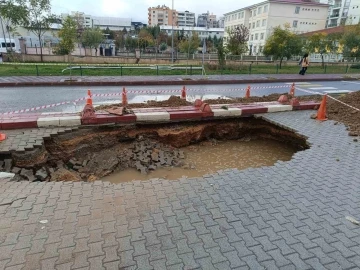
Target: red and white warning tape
column 139, row 92
column 322, row 94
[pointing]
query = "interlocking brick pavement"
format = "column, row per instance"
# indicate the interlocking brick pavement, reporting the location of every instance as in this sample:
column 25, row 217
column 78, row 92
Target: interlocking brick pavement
column 287, row 216
column 22, row 140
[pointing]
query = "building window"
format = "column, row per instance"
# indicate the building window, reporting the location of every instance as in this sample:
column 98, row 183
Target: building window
column 259, row 10
column 262, row 36
column 252, row 37
column 295, row 23
column 258, row 23
column 256, row 36
column 254, row 12
column 249, row 25
column 297, row 10
column 263, row 22
column 242, row 15
column 265, row 9
column 253, row 25
column 250, row 13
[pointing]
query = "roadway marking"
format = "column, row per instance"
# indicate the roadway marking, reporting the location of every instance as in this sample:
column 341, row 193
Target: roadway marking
column 299, row 83
column 338, row 91
column 351, row 82
column 322, row 88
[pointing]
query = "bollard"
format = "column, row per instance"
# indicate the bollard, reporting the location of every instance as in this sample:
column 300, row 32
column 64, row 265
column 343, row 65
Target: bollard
column 321, row 114
column 325, row 69
column 124, row 97
column 183, row 93
column 37, row 70
column 247, row 95
column 157, row 70
column 347, row 68
column 121, row 71
column 190, row 69
column 250, row 69
column 81, row 71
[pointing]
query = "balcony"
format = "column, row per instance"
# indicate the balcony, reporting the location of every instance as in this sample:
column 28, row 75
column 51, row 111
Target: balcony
column 337, row 6
column 334, row 15
column 332, row 25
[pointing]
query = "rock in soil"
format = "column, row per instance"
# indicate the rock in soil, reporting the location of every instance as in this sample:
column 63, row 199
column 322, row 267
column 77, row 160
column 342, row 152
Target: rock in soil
column 63, row 174
column 8, row 164
column 28, row 174
column 41, row 174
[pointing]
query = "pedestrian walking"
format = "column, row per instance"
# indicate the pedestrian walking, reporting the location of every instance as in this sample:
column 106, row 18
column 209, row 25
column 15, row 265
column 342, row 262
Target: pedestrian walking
column 304, row 63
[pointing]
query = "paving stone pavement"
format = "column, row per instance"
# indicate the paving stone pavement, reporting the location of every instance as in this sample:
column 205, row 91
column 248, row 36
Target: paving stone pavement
column 21, row 140
column 287, row 216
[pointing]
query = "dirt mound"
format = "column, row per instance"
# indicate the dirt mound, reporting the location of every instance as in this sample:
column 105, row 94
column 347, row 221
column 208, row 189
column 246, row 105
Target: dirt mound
column 350, row 117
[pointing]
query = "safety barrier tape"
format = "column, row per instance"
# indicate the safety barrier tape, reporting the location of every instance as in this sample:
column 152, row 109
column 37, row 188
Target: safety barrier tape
column 322, row 94
column 139, row 92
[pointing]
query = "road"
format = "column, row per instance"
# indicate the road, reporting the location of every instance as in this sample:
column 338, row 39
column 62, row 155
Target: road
column 17, row 98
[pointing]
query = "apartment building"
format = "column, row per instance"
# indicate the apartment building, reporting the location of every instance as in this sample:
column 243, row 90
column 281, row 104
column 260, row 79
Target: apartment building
column 302, row 16
column 343, row 12
column 203, row 32
column 162, row 15
column 207, row 20
column 186, row 18
column 82, row 20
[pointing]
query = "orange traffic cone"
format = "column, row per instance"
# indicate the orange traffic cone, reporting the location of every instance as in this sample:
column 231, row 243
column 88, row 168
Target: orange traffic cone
column 2, row 137
column 321, row 115
column 247, row 95
column 292, row 90
column 124, row 97
column 89, row 98
column 183, row 93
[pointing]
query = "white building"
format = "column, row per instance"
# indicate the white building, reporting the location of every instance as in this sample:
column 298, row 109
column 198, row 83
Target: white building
column 186, row 18
column 343, row 11
column 203, row 32
column 113, row 23
column 302, row 16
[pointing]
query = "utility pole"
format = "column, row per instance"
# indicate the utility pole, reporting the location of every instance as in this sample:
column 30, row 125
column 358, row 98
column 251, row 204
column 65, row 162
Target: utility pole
column 172, row 33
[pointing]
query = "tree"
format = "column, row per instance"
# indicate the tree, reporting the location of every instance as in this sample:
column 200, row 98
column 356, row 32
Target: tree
column 110, row 34
column 68, row 35
column 351, row 41
column 145, row 38
column 120, row 40
column 237, row 40
column 124, row 31
column 190, row 45
column 322, row 43
column 163, row 46
column 92, row 37
column 12, row 13
column 282, row 43
column 39, row 19
column 221, row 54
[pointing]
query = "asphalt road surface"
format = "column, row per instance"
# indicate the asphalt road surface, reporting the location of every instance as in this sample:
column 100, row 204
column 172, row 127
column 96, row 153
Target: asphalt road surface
column 17, row 98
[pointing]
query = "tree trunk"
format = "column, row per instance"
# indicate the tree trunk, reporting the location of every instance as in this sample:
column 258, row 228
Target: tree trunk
column 281, row 59
column 41, row 52
column 322, row 61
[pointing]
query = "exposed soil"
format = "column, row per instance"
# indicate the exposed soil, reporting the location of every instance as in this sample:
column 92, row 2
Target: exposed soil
column 93, row 153
column 335, row 110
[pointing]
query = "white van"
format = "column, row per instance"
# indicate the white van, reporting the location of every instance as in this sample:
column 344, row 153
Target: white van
column 10, row 44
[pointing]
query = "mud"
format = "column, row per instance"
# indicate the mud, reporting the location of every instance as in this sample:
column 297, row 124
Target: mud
column 92, row 154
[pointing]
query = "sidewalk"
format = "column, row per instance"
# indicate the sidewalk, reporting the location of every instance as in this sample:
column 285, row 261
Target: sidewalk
column 167, row 80
column 287, row 216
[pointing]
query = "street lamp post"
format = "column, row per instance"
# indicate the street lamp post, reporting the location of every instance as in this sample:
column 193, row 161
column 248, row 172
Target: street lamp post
column 172, row 33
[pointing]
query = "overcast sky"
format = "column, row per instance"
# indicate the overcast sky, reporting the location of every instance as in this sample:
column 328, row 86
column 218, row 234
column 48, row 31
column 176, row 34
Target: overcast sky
column 137, row 9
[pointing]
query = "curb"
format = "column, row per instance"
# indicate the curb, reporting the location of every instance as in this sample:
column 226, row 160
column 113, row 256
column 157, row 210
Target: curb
column 149, row 115
column 168, row 82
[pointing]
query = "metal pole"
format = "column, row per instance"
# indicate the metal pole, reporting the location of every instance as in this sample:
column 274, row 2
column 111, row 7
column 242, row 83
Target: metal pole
column 172, row 33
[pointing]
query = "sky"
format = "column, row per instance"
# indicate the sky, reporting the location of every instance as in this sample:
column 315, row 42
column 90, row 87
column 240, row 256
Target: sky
column 137, row 9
